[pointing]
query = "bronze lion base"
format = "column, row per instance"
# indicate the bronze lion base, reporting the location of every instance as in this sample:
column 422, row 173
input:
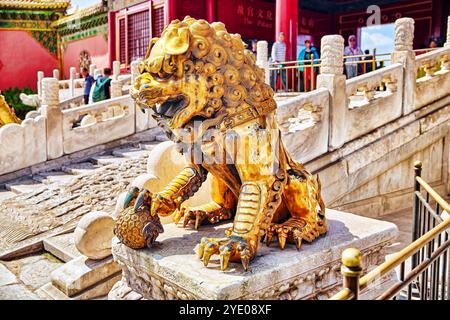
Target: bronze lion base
column 171, row 269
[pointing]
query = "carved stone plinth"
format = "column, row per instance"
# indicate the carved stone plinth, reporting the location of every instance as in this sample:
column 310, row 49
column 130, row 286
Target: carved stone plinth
column 171, row 270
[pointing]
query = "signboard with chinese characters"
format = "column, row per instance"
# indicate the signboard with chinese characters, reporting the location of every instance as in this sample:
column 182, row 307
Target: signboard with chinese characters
column 253, row 19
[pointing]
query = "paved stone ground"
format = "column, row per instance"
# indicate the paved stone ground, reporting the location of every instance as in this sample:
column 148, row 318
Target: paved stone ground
column 404, row 222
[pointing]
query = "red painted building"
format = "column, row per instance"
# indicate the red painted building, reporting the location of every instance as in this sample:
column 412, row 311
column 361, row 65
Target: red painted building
column 84, row 38
column 120, row 30
column 264, row 19
column 28, row 42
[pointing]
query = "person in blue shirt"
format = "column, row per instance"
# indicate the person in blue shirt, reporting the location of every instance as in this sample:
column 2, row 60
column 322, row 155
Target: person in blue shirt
column 89, row 80
column 308, row 74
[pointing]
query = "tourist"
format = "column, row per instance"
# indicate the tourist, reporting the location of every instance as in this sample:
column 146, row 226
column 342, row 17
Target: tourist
column 433, row 43
column 352, row 50
column 89, row 81
column 308, row 74
column 278, row 57
column 102, row 89
column 254, row 46
column 368, row 66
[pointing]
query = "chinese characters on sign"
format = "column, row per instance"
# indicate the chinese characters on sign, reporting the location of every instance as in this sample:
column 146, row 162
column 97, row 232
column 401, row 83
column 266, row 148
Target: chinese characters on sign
column 251, row 18
column 256, row 17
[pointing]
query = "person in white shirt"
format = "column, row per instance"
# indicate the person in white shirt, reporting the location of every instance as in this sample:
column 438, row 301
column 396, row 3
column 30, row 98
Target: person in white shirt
column 279, row 55
column 352, row 50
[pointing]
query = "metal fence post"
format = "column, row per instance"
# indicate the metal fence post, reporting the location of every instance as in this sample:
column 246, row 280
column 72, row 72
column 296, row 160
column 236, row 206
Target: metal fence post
column 351, row 270
column 416, row 212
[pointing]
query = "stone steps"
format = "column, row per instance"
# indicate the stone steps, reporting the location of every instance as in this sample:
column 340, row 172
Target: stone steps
column 106, row 160
column 62, row 246
column 25, row 185
column 80, row 168
column 59, row 177
column 131, row 153
column 149, row 145
column 161, row 137
column 5, row 194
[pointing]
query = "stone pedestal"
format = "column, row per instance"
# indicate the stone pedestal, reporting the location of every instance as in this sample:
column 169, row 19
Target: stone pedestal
column 171, row 270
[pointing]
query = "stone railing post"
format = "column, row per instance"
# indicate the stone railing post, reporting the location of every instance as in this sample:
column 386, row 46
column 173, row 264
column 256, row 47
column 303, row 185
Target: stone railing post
column 262, row 58
column 135, row 70
column 40, row 76
column 97, row 73
column 116, row 88
column 92, row 69
column 116, row 70
column 73, row 74
column 51, row 111
column 447, row 41
column 56, row 74
column 404, row 54
column 332, row 78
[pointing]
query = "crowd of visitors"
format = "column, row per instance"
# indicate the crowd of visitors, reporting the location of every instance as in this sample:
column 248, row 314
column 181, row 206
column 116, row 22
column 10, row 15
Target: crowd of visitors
column 98, row 89
column 356, row 62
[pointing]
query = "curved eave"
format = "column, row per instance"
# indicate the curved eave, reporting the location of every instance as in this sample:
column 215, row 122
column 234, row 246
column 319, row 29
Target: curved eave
column 34, row 6
column 86, row 13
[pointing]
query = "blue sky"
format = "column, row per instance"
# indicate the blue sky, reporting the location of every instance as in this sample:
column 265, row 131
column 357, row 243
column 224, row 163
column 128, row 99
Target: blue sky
column 380, row 37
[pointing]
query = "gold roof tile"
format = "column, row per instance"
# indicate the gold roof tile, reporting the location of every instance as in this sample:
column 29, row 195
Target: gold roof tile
column 34, row 4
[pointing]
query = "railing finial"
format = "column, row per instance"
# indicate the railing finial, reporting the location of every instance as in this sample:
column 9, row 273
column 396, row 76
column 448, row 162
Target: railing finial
column 351, row 270
column 332, row 48
column 404, row 34
column 418, row 164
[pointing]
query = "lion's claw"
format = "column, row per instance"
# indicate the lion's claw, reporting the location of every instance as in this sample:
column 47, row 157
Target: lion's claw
column 294, row 230
column 230, row 248
column 152, row 230
column 197, row 216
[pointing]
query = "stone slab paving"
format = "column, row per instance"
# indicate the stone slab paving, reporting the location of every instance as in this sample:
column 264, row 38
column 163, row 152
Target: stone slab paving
column 107, row 159
column 149, row 145
column 16, row 292
column 59, row 177
column 62, row 246
column 6, row 276
column 25, row 185
column 80, row 168
column 133, row 153
column 404, row 222
column 34, row 271
column 5, row 194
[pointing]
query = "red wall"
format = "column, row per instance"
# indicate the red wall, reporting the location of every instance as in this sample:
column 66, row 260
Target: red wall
column 253, row 19
column 97, row 46
column 426, row 15
column 21, row 57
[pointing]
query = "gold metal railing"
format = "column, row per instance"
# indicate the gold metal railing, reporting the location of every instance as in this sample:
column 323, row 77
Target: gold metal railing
column 288, row 76
column 301, row 75
column 428, row 253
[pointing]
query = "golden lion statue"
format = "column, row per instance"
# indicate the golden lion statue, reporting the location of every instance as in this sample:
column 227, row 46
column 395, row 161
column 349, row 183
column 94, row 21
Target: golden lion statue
column 6, row 115
column 199, row 79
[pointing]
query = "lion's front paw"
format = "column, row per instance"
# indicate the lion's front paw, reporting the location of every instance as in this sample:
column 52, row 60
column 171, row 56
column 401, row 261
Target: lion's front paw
column 229, row 248
column 295, row 230
column 209, row 213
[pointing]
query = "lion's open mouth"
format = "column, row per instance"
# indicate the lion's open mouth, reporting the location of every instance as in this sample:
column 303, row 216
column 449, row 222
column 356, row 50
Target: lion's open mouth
column 171, row 107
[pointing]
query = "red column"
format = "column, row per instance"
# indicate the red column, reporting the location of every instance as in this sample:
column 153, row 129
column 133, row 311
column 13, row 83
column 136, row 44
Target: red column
column 111, row 37
column 170, row 11
column 211, row 10
column 286, row 20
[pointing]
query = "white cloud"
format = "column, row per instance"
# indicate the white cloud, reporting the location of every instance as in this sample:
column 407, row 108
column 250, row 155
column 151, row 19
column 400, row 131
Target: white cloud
column 380, row 37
